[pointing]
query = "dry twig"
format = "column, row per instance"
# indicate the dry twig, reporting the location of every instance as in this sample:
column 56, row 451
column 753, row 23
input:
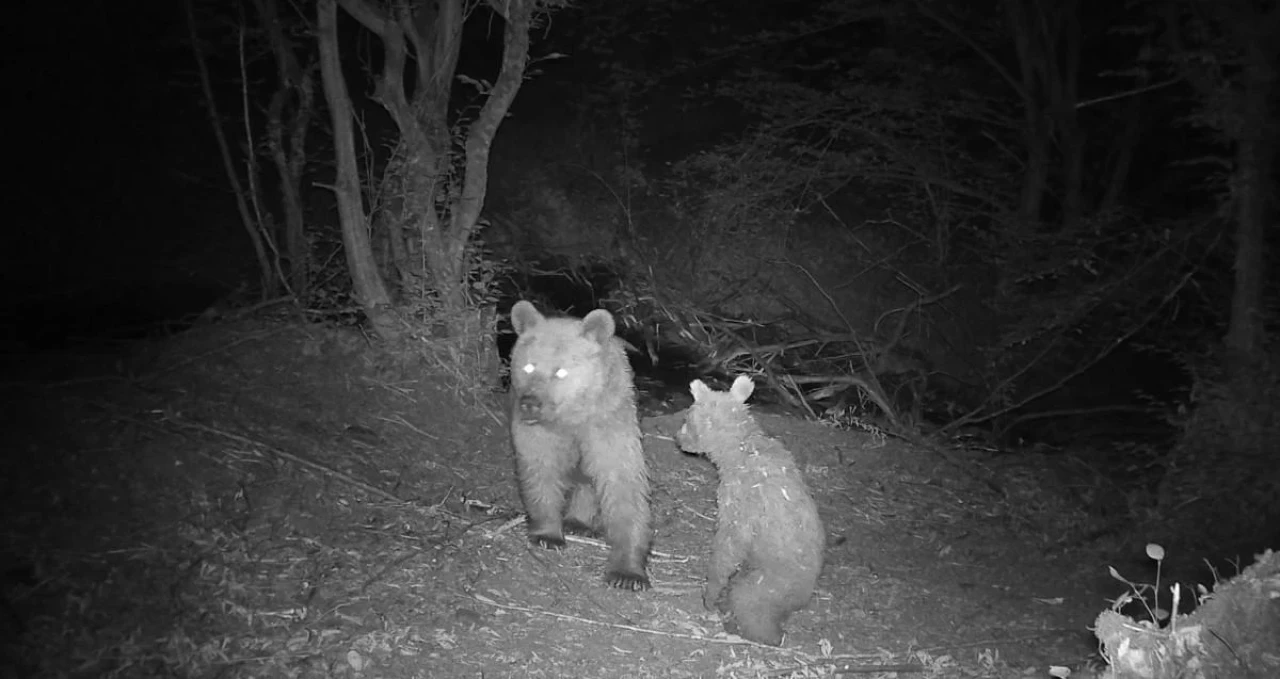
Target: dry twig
column 615, row 625
column 296, row 459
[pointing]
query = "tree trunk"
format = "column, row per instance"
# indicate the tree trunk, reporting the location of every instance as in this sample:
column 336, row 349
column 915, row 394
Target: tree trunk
column 465, row 212
column 1245, row 332
column 1046, row 35
column 1063, row 83
column 289, row 161
column 1124, row 145
column 436, row 203
column 295, row 238
column 1244, row 106
column 1035, row 181
column 1255, row 148
column 441, row 205
column 1072, row 141
column 1036, row 132
column 289, row 156
column 295, row 241
column 370, row 291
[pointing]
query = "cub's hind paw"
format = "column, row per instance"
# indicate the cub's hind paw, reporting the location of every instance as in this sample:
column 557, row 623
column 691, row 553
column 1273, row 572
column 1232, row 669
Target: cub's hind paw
column 548, row 541
column 636, row 582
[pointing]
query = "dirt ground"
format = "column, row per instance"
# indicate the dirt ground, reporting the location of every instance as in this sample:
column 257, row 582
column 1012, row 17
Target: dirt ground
column 272, row 500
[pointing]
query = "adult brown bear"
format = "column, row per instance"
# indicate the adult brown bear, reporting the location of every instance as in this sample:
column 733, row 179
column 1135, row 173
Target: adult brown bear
column 575, row 433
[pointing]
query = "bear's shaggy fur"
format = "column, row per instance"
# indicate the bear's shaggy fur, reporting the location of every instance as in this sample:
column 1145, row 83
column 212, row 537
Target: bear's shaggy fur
column 767, row 550
column 575, row 432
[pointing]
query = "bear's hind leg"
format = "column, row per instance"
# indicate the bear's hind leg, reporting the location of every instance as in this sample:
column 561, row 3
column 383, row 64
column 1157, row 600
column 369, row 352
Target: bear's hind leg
column 544, row 461
column 729, row 548
column 755, row 612
column 759, row 605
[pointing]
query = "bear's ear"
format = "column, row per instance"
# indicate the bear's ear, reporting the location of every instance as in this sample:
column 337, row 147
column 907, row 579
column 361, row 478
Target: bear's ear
column 598, row 326
column 742, row 388
column 524, row 316
column 699, row 390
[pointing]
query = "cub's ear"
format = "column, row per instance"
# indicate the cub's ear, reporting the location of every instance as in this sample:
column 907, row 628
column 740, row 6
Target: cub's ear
column 742, row 388
column 598, row 326
column 524, row 317
column 699, row 390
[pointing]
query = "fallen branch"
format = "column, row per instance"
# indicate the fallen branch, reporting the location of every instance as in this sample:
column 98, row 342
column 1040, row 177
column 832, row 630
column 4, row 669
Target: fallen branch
column 847, row 669
column 768, row 348
column 614, row 625
column 192, row 359
column 235, row 314
column 1071, row 412
column 852, row 380
column 298, row 460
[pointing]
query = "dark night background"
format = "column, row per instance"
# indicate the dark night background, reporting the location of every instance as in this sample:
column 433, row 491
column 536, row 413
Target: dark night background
column 727, row 176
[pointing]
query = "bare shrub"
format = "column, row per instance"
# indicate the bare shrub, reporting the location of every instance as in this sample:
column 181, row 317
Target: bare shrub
column 1223, row 476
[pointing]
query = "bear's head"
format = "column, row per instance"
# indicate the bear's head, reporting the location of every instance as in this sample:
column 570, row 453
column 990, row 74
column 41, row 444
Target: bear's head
column 718, row 420
column 565, row 370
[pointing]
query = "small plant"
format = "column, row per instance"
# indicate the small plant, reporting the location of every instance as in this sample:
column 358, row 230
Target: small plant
column 1229, row 632
column 1138, row 591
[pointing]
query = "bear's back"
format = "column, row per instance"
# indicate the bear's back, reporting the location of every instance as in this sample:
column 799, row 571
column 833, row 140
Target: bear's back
column 756, row 457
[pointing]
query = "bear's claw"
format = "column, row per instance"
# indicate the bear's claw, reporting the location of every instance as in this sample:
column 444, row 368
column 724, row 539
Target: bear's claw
column 548, row 542
column 627, row 580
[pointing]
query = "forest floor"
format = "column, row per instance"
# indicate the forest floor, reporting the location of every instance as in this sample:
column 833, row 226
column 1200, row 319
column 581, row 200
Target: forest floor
column 274, row 500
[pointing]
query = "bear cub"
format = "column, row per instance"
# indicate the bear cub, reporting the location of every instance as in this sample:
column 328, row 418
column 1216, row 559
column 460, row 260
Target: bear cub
column 767, row 551
column 577, row 438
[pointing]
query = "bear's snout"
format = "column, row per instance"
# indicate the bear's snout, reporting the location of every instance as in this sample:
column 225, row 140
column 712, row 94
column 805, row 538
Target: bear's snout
column 530, row 408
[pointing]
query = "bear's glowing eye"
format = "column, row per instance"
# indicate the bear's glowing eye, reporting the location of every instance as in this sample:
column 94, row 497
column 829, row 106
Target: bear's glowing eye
column 528, row 369
column 561, row 374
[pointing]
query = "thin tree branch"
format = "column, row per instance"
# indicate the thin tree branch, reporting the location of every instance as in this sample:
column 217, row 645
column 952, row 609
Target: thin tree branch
column 371, row 16
column 1129, row 93
column 224, row 148
column 973, row 44
column 515, row 56
column 1105, row 351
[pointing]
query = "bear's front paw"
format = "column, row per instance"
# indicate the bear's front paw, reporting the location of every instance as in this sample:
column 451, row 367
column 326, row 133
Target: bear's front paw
column 636, row 582
column 555, row 542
